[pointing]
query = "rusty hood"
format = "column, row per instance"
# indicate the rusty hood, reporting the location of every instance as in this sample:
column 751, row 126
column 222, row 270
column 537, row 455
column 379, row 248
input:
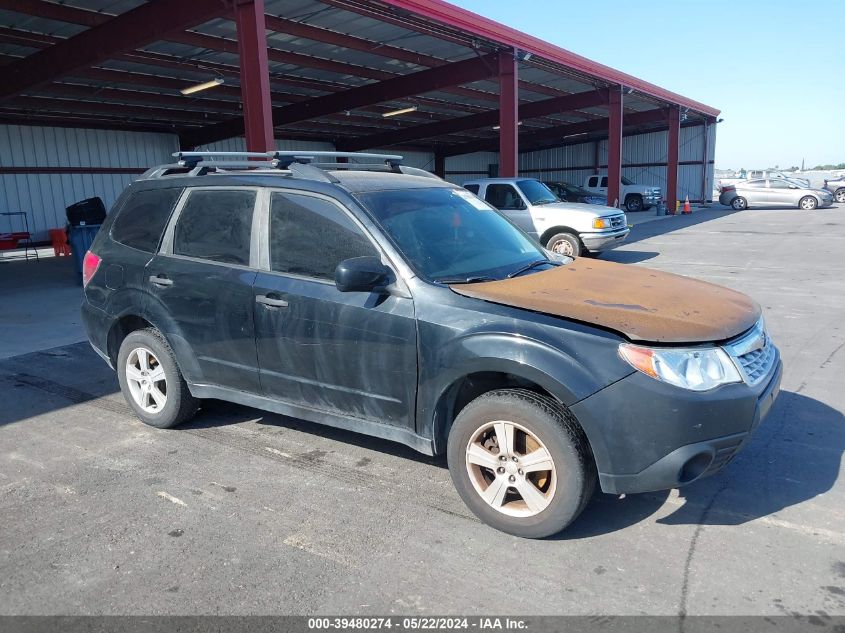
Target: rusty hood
column 642, row 304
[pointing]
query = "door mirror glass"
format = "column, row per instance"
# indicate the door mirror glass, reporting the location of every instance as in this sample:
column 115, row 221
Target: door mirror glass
column 361, row 274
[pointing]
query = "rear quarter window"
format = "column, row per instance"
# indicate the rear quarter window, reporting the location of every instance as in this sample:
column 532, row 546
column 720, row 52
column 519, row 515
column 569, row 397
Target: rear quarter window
column 140, row 222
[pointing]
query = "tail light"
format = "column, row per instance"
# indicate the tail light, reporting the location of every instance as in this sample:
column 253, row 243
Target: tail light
column 89, row 267
column 728, row 188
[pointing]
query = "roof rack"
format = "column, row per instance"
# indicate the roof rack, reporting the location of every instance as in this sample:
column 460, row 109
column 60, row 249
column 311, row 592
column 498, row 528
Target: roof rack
column 302, row 164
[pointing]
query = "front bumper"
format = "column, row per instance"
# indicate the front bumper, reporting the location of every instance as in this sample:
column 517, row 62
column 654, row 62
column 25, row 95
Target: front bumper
column 647, row 435
column 604, row 241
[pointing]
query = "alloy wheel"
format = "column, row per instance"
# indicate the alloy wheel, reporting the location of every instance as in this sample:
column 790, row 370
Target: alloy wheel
column 511, row 469
column 146, row 380
column 808, row 203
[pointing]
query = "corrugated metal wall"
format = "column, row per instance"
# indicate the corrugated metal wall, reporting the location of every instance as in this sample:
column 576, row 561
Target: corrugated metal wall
column 644, row 159
column 53, row 153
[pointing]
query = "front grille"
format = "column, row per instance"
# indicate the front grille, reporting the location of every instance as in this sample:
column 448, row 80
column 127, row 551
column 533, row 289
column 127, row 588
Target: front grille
column 616, row 221
column 755, row 354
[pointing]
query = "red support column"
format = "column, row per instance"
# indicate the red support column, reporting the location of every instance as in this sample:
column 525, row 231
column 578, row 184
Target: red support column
column 508, row 114
column 255, row 76
column 614, row 148
column 673, row 138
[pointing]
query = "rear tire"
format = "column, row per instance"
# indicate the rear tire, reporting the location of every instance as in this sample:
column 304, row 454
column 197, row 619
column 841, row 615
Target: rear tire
column 839, row 196
column 565, row 244
column 808, row 203
column 151, row 381
column 739, row 203
column 538, row 434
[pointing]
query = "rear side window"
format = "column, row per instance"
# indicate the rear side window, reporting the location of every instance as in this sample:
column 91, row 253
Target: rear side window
column 473, row 188
column 216, row 225
column 593, row 181
column 142, row 219
column 310, row 236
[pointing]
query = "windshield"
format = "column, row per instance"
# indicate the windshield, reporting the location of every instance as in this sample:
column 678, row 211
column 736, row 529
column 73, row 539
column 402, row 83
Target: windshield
column 536, row 192
column 625, row 181
column 449, row 235
column 578, row 191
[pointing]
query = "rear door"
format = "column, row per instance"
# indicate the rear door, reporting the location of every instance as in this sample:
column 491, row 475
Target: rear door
column 349, row 352
column 508, row 200
column 203, row 277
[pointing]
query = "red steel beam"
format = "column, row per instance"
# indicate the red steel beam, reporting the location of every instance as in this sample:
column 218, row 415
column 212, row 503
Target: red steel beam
column 457, row 73
column 508, row 114
column 527, row 111
column 255, row 76
column 149, row 22
column 673, row 139
column 614, row 147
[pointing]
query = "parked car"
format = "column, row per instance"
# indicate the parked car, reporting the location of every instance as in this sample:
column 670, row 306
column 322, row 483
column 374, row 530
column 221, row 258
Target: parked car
column 774, row 192
column 763, row 174
column 634, row 197
column 386, row 301
column 567, row 228
column 836, row 187
column 568, row 192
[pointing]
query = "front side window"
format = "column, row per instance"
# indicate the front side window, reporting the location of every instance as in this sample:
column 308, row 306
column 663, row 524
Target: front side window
column 503, row 197
column 604, row 181
column 310, row 236
column 141, row 221
column 449, row 235
column 778, row 184
column 216, row 224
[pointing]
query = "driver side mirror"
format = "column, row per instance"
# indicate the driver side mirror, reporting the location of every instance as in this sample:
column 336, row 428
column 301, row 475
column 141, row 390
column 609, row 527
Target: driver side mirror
column 361, row 274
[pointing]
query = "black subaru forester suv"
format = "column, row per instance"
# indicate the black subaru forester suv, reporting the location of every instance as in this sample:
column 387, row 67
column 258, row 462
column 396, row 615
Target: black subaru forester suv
column 381, row 299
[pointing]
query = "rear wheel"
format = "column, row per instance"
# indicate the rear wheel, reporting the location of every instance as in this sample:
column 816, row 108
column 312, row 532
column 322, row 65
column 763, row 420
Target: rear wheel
column 739, row 203
column 565, row 244
column 520, row 463
column 151, row 381
column 839, row 196
column 808, row 203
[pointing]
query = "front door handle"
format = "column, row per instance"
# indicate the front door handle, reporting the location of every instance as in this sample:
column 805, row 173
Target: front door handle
column 161, row 280
column 274, row 301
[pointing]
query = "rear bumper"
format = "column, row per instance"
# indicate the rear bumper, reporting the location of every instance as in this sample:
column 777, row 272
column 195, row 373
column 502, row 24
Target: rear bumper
column 649, row 436
column 604, row 241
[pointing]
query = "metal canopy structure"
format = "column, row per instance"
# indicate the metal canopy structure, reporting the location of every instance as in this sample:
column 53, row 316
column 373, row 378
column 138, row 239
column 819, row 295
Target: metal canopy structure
column 331, row 70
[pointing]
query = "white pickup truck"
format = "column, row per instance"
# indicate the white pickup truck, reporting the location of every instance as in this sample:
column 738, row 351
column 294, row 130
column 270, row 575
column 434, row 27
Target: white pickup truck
column 566, row 228
column 634, row 197
column 762, row 174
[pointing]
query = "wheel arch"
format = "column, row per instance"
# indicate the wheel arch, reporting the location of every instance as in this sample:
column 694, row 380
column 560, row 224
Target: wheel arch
column 558, row 228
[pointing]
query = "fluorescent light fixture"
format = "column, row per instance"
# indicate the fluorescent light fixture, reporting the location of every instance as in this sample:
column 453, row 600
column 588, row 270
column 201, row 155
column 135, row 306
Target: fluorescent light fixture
column 498, row 127
column 203, row 86
column 398, row 112
column 573, row 135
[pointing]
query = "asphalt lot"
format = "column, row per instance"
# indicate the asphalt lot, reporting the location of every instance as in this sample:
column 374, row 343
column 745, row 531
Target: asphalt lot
column 243, row 512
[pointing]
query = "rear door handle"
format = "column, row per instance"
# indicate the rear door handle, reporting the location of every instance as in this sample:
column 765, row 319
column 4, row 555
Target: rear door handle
column 272, row 301
column 161, row 280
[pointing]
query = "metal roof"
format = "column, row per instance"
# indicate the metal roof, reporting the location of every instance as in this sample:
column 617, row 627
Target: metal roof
column 316, row 48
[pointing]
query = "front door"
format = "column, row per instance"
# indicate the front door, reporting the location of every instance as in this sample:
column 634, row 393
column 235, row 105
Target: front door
column 780, row 194
column 203, row 277
column 508, row 200
column 350, row 352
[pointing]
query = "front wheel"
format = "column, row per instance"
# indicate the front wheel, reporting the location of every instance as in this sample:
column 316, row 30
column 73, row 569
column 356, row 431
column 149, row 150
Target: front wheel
column 520, row 462
column 565, row 244
column 151, row 381
column 739, row 203
column 633, row 204
column 808, row 203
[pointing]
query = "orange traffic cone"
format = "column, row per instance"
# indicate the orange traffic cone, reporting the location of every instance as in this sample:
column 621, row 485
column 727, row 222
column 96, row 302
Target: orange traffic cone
column 687, row 209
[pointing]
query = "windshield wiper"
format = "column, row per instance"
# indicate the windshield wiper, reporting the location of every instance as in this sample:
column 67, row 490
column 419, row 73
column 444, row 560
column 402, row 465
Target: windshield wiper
column 465, row 280
column 529, row 266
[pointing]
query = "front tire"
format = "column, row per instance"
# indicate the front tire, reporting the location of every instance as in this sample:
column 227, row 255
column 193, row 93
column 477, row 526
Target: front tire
column 739, row 203
column 520, row 462
column 633, row 204
column 151, row 381
column 808, row 203
column 565, row 244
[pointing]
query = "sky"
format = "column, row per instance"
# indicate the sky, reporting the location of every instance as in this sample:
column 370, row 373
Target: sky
column 775, row 69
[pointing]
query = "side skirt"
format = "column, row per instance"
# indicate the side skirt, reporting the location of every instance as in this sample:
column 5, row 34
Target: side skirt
column 319, row 416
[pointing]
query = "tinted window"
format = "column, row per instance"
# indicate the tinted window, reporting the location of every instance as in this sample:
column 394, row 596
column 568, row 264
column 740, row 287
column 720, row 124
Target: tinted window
column 604, row 181
column 216, row 225
column 503, row 197
column 778, row 184
column 473, row 188
column 449, row 234
column 142, row 219
column 593, row 182
column 310, row 236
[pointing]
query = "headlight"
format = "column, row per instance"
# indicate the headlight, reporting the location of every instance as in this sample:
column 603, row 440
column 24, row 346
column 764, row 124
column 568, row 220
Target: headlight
column 697, row 369
column 601, row 223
